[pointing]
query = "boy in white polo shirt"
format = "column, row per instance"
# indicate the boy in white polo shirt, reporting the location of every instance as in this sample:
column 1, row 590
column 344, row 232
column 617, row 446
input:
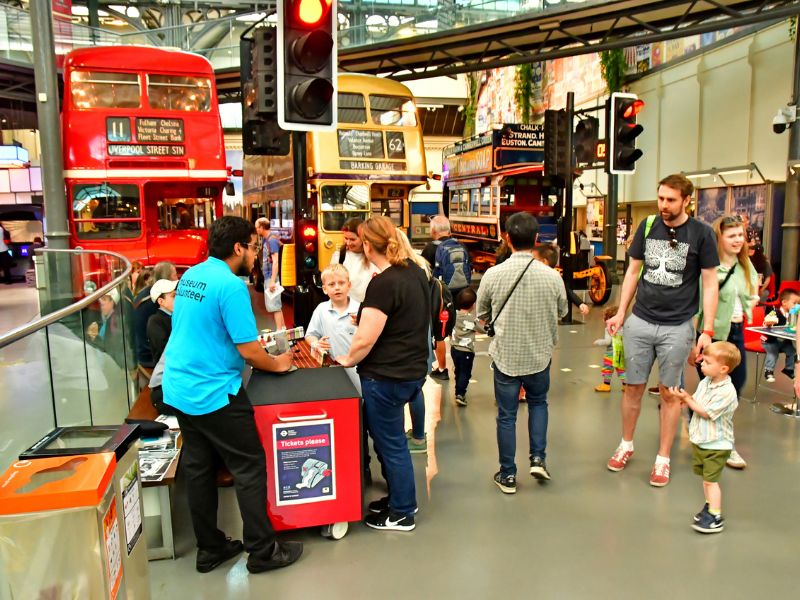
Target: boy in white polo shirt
column 331, row 328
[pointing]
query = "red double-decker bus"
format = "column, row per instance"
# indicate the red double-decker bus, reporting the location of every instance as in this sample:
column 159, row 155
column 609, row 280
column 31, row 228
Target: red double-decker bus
column 144, row 159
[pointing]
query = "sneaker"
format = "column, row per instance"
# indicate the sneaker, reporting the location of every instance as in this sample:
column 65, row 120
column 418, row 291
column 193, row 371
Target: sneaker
column 382, row 505
column 619, row 459
column 699, row 516
column 284, row 554
column 659, row 476
column 506, row 483
column 417, row 447
column 539, row 469
column 769, row 376
column 788, row 372
column 441, row 375
column 461, row 399
column 603, row 387
column 709, row 523
column 735, row 461
column 654, row 391
column 390, row 521
column 208, row 560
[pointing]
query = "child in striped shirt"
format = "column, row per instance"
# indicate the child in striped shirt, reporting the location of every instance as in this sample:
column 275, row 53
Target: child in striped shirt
column 711, row 428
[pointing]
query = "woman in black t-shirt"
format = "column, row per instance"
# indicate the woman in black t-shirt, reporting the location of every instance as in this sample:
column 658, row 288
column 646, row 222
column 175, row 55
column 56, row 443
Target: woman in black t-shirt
column 390, row 348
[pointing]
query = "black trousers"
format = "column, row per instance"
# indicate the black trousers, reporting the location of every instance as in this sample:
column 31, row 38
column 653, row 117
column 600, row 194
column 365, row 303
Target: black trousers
column 228, row 434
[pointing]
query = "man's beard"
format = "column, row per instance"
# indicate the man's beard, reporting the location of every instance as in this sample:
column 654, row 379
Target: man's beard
column 243, row 271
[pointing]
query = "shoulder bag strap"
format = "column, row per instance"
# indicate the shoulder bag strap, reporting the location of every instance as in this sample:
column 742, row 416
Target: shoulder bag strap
column 516, row 283
column 728, row 276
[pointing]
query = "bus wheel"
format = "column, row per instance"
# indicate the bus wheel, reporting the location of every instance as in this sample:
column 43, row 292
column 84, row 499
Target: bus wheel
column 600, row 284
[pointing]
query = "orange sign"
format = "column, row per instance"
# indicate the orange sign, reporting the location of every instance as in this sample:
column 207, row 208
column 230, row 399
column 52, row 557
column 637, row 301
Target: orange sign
column 600, row 150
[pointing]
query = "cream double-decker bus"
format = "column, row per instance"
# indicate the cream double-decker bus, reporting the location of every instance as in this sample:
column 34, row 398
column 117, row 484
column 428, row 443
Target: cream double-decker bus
column 366, row 167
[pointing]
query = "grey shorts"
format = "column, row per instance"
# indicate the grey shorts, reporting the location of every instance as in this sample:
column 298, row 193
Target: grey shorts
column 644, row 342
column 274, row 304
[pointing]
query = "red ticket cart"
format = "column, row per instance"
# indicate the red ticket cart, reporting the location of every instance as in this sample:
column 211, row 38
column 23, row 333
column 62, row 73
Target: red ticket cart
column 309, row 422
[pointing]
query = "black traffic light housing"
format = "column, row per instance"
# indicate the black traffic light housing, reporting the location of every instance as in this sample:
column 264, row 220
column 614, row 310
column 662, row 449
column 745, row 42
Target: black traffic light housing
column 585, row 139
column 307, row 65
column 557, row 151
column 622, row 133
column 259, row 76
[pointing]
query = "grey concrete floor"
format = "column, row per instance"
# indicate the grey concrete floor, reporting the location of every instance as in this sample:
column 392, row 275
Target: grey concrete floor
column 588, row 533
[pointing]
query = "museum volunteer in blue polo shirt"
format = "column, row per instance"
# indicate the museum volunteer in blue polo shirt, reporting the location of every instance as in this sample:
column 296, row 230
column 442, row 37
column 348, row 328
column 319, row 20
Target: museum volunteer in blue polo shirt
column 213, row 334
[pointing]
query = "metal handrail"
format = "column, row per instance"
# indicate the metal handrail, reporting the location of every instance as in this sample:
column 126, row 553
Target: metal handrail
column 42, row 322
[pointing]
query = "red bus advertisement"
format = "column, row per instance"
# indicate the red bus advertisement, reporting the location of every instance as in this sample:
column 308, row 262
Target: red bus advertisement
column 144, row 158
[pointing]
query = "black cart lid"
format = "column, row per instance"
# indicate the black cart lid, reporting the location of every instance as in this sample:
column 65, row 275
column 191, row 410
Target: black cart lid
column 302, row 385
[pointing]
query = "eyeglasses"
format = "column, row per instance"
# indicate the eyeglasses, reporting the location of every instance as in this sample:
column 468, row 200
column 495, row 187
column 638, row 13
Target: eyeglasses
column 673, row 242
column 253, row 246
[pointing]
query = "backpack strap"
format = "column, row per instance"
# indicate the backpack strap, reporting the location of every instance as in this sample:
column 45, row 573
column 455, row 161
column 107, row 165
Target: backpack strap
column 647, row 226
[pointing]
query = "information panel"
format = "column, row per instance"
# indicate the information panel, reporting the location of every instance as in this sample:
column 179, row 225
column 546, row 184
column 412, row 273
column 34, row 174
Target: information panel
column 359, row 143
column 145, row 150
column 159, row 130
column 303, row 462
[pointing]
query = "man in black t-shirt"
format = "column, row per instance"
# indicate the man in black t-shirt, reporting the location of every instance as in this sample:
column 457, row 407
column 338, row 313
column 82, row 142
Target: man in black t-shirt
column 668, row 257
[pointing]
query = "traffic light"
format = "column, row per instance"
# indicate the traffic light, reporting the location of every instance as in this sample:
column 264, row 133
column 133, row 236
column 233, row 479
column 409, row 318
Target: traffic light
column 585, row 140
column 557, row 153
column 259, row 73
column 307, row 248
column 307, row 65
column 622, row 133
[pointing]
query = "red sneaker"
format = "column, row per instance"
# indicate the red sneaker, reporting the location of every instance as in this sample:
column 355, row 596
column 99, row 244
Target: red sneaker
column 620, row 458
column 659, row 476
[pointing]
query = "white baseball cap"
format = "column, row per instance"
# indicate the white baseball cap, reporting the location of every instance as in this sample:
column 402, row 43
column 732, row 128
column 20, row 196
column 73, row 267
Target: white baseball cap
column 160, row 287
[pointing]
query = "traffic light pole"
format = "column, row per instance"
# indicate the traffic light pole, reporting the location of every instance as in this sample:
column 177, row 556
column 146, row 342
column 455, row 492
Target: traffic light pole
column 569, row 178
column 610, row 229
column 791, row 211
column 303, row 298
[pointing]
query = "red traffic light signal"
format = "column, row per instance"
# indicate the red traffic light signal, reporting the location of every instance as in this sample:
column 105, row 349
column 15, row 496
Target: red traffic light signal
column 307, row 64
column 311, row 12
column 622, row 133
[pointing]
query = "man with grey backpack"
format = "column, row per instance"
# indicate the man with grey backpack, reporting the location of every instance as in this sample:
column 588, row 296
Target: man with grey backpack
column 521, row 301
column 450, row 263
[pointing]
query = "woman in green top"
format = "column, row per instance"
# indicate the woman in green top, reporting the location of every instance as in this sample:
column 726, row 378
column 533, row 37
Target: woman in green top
column 738, row 293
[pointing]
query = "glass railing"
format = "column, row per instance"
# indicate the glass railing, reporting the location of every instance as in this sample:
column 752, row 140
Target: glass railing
column 74, row 365
column 218, row 40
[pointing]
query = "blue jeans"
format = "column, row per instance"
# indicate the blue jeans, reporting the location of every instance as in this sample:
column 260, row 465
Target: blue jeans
column 463, row 366
column 417, row 410
column 383, row 404
column 506, row 392
column 773, row 348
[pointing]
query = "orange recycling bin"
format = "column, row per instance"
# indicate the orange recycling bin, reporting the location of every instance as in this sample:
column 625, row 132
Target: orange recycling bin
column 59, row 532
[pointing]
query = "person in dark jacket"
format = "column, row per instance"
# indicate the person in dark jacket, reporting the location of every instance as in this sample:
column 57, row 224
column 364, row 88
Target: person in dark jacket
column 159, row 325
column 143, row 309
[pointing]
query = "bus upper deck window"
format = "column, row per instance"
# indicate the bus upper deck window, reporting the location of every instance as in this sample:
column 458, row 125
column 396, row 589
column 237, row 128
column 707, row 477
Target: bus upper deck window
column 351, row 108
column 96, row 89
column 179, row 92
column 393, row 110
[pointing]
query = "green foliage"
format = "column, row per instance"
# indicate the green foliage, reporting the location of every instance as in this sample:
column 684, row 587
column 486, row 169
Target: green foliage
column 792, row 28
column 612, row 69
column 471, row 107
column 523, row 91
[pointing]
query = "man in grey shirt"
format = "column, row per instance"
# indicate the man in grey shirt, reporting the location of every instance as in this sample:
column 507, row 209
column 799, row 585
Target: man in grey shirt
column 526, row 331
